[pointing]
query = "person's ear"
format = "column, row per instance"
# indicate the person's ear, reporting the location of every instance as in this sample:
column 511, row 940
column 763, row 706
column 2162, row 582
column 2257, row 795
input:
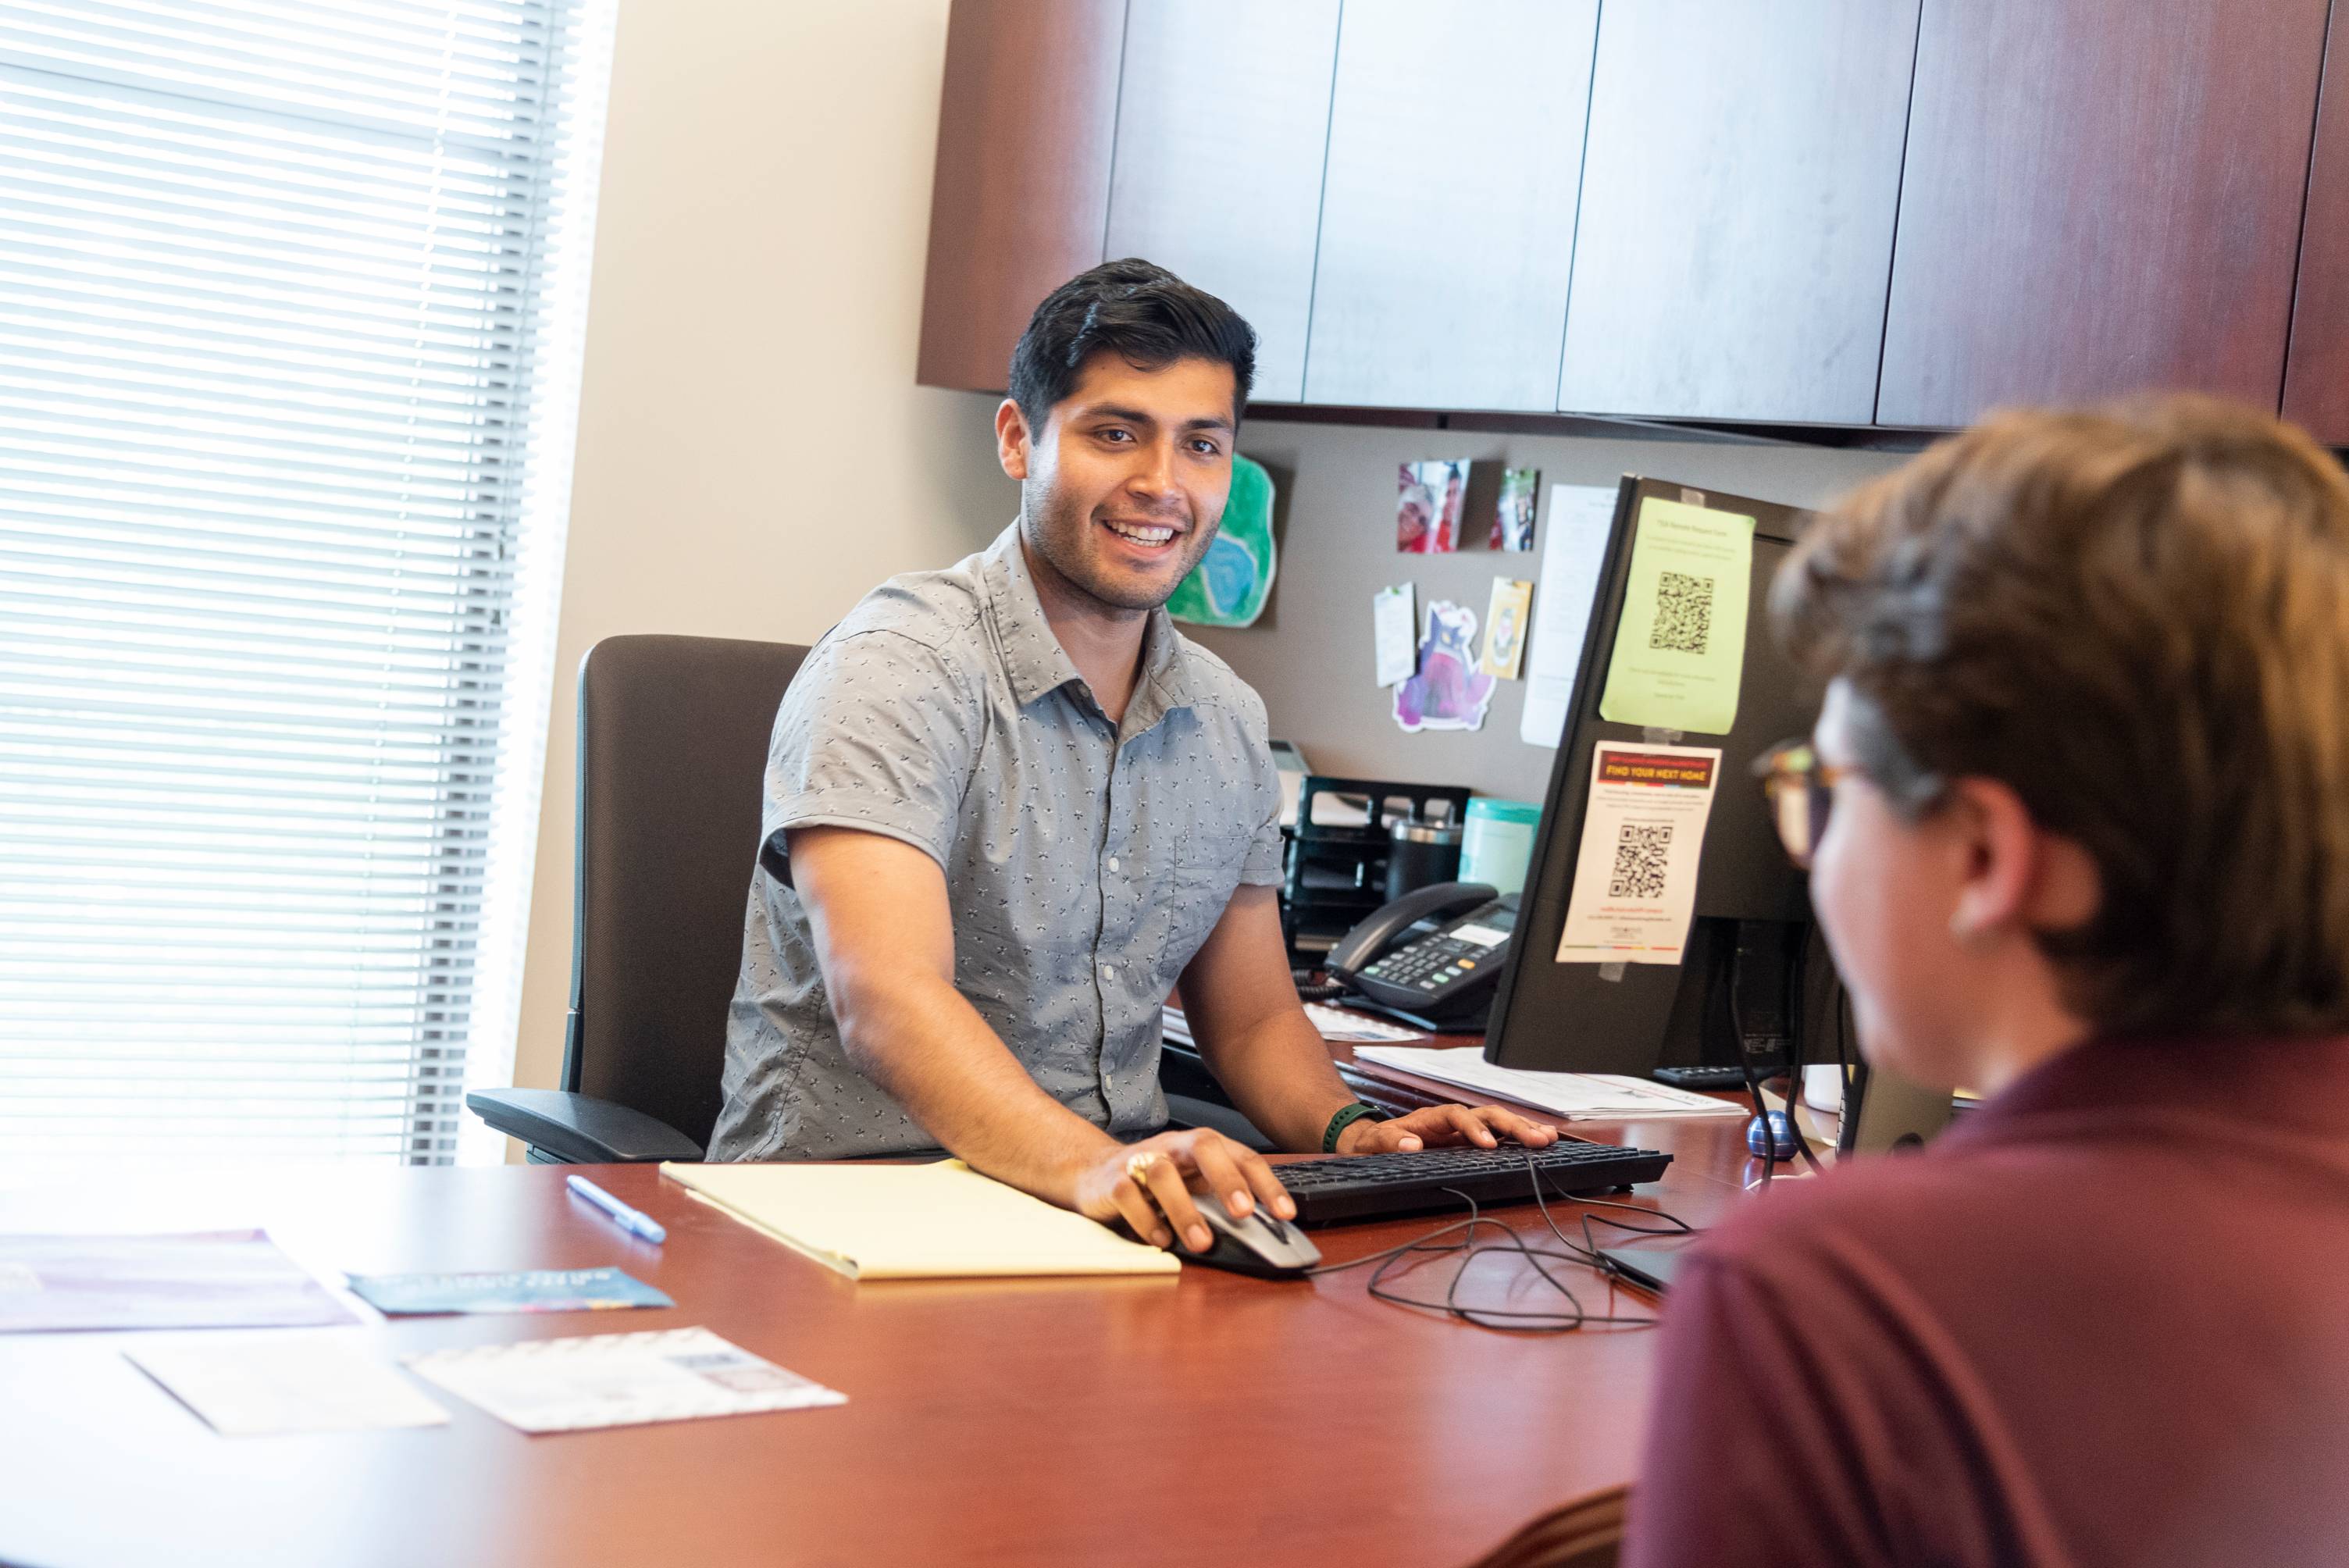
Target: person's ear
column 2017, row 875
column 1991, row 833
column 1011, row 439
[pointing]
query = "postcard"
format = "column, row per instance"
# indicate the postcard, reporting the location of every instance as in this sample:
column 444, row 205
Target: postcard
column 1506, row 620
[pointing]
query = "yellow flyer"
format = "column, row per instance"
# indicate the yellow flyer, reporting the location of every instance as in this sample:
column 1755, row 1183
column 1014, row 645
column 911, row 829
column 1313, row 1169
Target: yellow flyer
column 1680, row 648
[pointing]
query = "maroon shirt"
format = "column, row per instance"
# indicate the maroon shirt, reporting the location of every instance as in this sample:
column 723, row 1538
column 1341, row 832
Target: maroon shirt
column 2104, row 1319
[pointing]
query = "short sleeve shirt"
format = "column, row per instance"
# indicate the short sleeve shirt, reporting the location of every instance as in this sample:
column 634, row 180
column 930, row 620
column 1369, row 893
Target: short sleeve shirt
column 1085, row 862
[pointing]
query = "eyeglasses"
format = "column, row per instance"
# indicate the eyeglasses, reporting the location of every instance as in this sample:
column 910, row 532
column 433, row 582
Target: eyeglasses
column 1800, row 788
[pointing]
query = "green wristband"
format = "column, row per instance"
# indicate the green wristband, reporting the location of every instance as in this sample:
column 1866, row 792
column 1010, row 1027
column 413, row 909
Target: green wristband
column 1342, row 1120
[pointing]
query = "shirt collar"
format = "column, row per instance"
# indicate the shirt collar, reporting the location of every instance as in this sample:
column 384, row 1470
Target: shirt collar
column 1036, row 664
column 2296, row 1082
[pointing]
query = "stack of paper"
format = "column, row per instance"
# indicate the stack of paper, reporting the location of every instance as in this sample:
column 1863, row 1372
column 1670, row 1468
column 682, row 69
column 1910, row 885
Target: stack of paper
column 1577, row 1096
column 915, row 1222
column 1335, row 1023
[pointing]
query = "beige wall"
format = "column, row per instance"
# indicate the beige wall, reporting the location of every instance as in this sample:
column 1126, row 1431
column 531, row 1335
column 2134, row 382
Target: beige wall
column 753, row 453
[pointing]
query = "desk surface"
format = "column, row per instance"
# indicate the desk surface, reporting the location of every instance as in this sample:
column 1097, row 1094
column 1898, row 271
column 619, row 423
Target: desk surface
column 1013, row 1422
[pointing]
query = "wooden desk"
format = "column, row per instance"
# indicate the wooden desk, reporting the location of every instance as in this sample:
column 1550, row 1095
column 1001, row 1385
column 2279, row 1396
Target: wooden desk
column 1145, row 1422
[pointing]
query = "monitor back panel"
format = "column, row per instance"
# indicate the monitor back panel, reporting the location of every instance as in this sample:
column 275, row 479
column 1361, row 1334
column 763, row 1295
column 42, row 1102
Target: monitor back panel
column 1572, row 1017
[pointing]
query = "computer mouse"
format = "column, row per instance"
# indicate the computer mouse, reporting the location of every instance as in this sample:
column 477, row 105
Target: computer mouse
column 1257, row 1243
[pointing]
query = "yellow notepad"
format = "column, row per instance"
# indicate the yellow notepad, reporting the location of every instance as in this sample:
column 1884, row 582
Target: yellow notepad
column 940, row 1221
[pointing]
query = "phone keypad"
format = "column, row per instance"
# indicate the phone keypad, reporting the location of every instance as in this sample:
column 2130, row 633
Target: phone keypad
column 1429, row 964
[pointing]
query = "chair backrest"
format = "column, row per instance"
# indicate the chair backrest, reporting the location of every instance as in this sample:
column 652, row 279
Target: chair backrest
column 673, row 737
column 1585, row 1533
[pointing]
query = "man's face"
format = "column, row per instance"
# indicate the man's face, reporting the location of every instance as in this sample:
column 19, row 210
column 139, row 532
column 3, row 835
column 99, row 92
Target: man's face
column 1122, row 491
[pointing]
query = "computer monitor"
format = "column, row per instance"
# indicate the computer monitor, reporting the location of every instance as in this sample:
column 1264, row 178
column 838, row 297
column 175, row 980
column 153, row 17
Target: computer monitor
column 1752, row 908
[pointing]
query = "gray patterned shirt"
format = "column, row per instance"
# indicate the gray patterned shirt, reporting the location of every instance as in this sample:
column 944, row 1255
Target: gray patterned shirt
column 1085, row 862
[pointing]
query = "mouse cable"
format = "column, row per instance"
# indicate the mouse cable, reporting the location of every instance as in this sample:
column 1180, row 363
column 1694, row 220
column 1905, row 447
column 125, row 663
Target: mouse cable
column 1406, row 1256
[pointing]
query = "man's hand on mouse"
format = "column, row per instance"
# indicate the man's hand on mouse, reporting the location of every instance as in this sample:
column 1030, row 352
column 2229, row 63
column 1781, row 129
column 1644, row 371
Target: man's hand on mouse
column 1482, row 1125
column 1156, row 1185
column 1149, row 1185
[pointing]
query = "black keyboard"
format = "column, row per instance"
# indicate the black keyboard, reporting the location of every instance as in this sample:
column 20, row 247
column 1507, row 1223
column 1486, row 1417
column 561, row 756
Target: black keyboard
column 1372, row 1186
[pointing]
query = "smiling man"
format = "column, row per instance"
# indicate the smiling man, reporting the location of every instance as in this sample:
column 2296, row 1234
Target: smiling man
column 1009, row 806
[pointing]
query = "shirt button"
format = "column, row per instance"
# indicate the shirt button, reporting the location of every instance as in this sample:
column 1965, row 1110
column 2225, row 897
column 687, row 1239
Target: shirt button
column 1109, row 971
column 1113, row 862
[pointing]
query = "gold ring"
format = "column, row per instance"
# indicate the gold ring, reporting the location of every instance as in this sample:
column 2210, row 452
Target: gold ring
column 1138, row 1165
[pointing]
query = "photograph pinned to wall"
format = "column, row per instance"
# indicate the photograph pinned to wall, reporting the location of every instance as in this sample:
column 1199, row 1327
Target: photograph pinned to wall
column 1393, row 621
column 1506, row 617
column 1429, row 499
column 1449, row 692
column 1513, row 515
column 1232, row 582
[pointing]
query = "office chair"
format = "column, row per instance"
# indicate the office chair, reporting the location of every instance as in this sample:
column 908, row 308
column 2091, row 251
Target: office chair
column 1585, row 1533
column 673, row 735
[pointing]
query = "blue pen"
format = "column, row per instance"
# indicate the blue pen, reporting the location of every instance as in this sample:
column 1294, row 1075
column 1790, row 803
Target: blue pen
column 641, row 1225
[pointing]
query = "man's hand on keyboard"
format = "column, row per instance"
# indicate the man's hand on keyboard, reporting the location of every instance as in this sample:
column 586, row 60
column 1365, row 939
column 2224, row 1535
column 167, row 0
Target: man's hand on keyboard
column 1482, row 1125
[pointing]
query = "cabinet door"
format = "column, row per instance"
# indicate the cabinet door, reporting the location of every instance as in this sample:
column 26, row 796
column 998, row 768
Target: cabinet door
column 1738, row 198
column 2101, row 196
column 1447, row 213
column 1223, row 116
column 1021, row 189
column 2316, row 379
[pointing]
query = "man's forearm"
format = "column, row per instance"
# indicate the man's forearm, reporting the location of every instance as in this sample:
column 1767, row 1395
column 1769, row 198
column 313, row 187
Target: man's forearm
column 1279, row 1073
column 920, row 1039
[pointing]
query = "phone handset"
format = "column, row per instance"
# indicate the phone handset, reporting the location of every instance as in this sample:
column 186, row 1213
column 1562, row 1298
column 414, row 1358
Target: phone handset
column 1378, row 931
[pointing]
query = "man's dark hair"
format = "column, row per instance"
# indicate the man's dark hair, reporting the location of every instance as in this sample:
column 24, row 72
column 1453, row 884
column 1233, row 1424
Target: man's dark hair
column 1141, row 311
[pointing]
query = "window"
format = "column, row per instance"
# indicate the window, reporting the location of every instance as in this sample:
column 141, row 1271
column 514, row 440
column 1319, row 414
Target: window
column 291, row 298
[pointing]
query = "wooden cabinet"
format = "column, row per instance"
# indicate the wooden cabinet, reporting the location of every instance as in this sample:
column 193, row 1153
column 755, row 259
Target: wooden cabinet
column 2316, row 373
column 1020, row 194
column 1222, row 121
column 2100, row 196
column 1738, row 200
column 1790, row 211
column 1447, row 210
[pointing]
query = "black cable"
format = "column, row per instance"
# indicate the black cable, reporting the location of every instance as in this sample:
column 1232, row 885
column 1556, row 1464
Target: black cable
column 1405, row 1256
column 1753, row 1085
column 1795, row 1101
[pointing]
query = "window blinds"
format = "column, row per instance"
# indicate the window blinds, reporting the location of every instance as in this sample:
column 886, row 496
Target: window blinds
column 290, row 293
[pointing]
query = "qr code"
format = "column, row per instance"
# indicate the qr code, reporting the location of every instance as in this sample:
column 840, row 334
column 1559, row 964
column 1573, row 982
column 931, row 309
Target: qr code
column 1640, row 861
column 1684, row 613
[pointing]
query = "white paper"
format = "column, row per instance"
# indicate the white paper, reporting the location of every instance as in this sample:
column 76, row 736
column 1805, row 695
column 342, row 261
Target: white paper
column 1576, row 1096
column 1336, row 1024
column 248, row 1386
column 1642, row 837
column 618, row 1380
column 1573, row 556
column 1395, row 628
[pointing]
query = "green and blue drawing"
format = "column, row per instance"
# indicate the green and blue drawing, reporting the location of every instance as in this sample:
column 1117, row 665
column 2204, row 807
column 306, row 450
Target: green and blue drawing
column 1232, row 582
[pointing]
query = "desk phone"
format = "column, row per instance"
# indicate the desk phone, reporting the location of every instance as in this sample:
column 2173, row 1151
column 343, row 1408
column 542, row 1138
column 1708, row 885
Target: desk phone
column 1433, row 955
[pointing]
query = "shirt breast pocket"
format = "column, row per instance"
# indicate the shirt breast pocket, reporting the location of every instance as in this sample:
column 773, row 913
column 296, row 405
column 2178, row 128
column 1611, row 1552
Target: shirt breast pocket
column 1206, row 870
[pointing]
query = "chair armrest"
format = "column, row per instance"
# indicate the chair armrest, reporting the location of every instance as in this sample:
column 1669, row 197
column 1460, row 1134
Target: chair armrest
column 1183, row 1110
column 578, row 1129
